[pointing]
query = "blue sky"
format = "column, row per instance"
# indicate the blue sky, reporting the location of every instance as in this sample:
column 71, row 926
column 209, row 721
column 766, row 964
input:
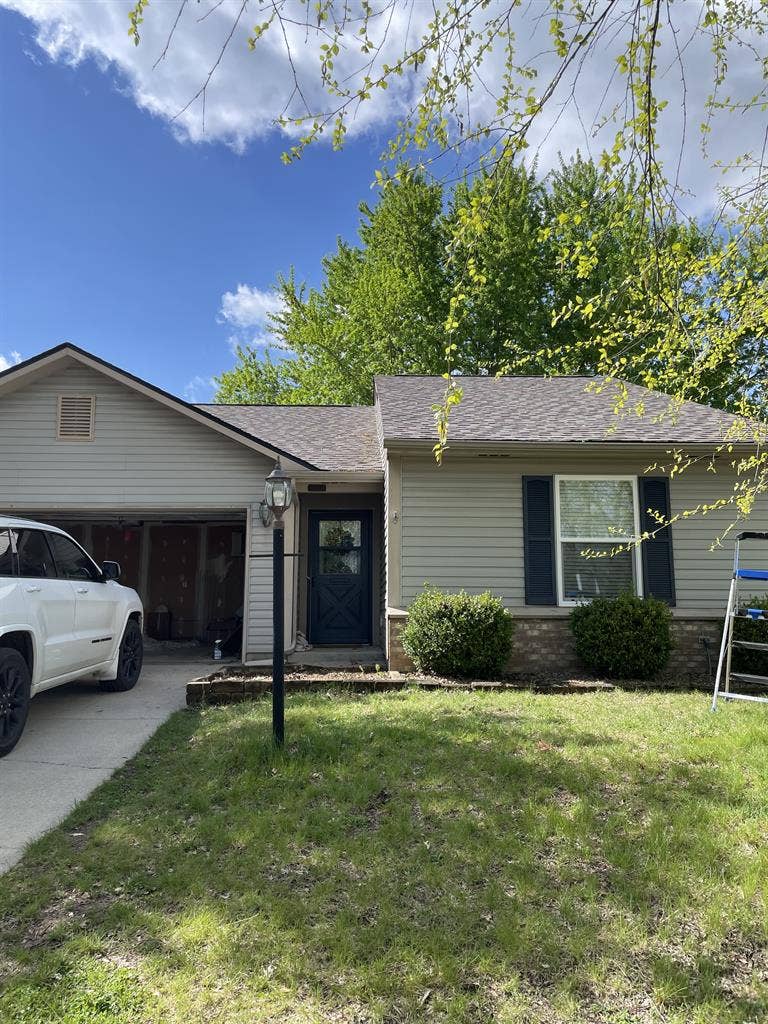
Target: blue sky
column 119, row 237
column 131, row 231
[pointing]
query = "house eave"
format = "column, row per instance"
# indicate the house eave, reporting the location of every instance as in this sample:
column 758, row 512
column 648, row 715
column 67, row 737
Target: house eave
column 394, row 445
column 332, row 476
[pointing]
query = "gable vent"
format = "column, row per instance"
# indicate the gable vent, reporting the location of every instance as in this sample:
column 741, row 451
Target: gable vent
column 76, row 414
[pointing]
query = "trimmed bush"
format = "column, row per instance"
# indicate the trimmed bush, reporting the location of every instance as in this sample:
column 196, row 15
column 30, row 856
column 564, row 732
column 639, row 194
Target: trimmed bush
column 626, row 637
column 465, row 635
column 744, row 660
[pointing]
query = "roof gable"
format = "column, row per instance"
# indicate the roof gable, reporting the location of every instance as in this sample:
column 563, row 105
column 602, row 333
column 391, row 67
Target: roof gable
column 31, row 369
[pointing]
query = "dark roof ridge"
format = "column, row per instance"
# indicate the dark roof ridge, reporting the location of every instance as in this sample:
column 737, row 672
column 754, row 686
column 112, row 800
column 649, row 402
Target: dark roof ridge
column 499, row 376
column 279, row 405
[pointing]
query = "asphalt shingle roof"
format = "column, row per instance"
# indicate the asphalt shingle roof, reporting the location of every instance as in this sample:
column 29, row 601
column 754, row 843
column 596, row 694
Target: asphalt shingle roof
column 332, row 437
column 540, row 409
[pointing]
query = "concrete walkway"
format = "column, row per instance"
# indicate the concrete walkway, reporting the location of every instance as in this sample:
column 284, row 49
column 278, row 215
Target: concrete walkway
column 75, row 738
column 347, row 658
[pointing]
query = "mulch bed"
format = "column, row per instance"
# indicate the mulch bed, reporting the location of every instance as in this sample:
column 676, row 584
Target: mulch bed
column 231, row 685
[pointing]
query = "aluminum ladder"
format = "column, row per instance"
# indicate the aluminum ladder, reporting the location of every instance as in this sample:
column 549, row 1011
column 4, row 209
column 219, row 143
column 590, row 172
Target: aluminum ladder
column 724, row 674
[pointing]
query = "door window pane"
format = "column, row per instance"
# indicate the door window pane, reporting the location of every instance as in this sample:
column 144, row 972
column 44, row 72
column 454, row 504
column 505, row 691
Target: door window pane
column 7, row 560
column 335, row 562
column 71, row 562
column 584, row 578
column 34, row 557
column 340, row 533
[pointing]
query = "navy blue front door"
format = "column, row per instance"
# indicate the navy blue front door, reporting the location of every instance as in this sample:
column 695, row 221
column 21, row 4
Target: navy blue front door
column 340, row 577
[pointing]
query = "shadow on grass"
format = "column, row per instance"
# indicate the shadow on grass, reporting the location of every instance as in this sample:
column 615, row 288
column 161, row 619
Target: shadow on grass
column 458, row 857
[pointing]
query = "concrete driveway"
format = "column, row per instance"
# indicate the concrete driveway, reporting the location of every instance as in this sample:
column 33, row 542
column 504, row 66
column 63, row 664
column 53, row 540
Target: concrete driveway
column 75, row 738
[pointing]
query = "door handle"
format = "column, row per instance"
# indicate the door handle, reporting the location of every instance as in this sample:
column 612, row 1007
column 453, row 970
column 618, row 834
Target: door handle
column 34, row 590
column 82, row 590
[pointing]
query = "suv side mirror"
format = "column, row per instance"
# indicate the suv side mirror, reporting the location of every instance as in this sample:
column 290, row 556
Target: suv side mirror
column 110, row 571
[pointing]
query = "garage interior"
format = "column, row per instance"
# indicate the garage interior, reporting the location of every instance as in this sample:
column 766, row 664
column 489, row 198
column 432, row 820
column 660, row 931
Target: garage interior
column 189, row 571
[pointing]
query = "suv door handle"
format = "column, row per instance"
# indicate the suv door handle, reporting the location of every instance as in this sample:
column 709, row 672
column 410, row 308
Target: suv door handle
column 82, row 590
column 34, row 590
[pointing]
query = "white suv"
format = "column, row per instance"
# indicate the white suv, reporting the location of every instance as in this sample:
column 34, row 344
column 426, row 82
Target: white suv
column 61, row 617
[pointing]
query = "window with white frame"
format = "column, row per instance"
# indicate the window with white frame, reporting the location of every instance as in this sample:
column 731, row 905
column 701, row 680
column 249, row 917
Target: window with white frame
column 594, row 516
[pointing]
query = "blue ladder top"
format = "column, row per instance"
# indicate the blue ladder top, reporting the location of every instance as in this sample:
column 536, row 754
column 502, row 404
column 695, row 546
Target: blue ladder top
column 749, row 574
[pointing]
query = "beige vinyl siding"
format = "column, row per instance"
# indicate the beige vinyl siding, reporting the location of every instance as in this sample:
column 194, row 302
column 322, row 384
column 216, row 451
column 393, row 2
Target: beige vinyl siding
column 259, row 589
column 702, row 575
column 143, row 454
column 144, row 457
column 259, row 637
column 387, row 536
column 462, row 525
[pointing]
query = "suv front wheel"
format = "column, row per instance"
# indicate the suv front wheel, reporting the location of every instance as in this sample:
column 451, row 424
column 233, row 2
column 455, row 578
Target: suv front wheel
column 15, row 685
column 129, row 660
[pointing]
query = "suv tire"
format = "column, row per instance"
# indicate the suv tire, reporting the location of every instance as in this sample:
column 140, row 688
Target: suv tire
column 15, row 686
column 129, row 661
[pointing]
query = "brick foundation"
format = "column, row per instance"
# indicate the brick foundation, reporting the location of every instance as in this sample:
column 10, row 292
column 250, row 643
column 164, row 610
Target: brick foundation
column 397, row 659
column 545, row 645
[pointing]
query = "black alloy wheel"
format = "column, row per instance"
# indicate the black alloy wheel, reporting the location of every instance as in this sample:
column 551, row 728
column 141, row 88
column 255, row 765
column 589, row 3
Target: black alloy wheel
column 15, row 686
column 129, row 661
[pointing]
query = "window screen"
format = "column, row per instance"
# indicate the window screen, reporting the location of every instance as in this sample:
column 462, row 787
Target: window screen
column 596, row 516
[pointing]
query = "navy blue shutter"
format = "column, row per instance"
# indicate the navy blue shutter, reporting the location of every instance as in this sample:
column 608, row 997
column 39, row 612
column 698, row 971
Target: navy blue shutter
column 539, row 540
column 658, row 561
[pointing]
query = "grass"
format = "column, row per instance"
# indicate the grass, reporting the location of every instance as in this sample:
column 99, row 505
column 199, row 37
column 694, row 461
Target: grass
column 462, row 857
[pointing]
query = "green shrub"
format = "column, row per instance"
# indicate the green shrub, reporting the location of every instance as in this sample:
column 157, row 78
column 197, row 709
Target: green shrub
column 458, row 634
column 755, row 662
column 626, row 637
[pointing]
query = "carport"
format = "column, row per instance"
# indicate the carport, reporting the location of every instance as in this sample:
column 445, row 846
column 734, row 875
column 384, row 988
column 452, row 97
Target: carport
column 189, row 569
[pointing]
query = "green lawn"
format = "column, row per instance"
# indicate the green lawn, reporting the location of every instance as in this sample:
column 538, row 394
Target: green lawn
column 412, row 856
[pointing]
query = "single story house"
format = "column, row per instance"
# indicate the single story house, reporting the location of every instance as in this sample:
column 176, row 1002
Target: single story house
column 537, row 470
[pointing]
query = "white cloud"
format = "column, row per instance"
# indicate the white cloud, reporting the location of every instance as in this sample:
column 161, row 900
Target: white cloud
column 199, row 389
column 249, row 307
column 249, row 89
column 12, row 359
column 246, row 94
column 247, row 311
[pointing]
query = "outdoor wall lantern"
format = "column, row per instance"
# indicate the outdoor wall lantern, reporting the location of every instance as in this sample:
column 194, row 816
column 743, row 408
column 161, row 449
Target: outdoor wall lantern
column 265, row 513
column 278, row 495
column 278, row 491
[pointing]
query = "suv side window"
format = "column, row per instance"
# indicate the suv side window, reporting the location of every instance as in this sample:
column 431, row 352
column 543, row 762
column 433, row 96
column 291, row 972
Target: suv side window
column 35, row 559
column 71, row 561
column 7, row 557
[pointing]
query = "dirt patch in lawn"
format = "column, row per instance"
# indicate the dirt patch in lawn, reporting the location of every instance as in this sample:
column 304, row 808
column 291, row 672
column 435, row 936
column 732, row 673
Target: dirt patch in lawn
column 71, row 911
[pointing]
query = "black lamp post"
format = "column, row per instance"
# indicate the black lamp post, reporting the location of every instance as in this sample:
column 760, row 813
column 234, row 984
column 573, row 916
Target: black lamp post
column 278, row 494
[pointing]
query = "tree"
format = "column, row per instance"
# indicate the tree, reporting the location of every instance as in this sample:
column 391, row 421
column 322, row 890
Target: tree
column 381, row 309
column 467, row 88
column 382, row 305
